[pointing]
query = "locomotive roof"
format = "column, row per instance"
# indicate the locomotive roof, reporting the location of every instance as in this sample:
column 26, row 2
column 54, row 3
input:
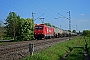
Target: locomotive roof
column 43, row 25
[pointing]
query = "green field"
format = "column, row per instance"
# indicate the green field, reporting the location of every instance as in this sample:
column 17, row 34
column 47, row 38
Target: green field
column 58, row 51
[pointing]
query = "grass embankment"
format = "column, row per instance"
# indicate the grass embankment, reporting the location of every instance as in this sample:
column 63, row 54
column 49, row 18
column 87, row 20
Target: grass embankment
column 78, row 50
column 58, row 51
column 88, row 44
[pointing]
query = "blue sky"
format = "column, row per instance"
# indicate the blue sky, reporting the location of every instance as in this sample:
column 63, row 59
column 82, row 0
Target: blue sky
column 49, row 9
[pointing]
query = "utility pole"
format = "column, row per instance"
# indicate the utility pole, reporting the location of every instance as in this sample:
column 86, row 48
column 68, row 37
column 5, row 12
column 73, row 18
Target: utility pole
column 33, row 20
column 60, row 26
column 69, row 18
column 33, row 16
column 69, row 22
column 76, row 28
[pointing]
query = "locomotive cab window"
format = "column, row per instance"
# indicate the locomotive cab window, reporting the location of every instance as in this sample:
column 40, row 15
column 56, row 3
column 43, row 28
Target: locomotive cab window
column 36, row 27
column 39, row 27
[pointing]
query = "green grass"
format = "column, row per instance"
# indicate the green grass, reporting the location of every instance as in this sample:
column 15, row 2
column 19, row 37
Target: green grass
column 76, row 54
column 88, row 42
column 78, row 51
column 58, row 51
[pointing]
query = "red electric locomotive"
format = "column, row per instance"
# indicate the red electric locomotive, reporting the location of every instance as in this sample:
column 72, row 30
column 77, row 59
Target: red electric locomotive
column 43, row 31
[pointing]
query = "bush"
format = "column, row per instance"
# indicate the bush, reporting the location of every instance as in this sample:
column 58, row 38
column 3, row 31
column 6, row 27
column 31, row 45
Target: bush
column 86, row 33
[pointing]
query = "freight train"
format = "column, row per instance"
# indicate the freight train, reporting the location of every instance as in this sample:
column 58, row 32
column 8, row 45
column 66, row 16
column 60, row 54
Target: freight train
column 43, row 31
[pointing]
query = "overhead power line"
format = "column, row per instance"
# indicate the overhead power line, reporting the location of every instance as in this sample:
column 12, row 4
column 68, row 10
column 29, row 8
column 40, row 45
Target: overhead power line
column 14, row 7
column 40, row 8
column 46, row 7
column 62, row 16
column 39, row 16
column 20, row 5
column 53, row 11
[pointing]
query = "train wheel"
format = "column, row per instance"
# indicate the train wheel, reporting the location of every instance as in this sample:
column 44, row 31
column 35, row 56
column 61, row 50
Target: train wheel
column 50, row 37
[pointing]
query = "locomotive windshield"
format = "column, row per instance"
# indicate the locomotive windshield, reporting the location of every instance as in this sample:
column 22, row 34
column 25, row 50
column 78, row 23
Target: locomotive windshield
column 39, row 27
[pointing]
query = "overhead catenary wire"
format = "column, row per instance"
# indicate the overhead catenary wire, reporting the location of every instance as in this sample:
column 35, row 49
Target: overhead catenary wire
column 19, row 5
column 27, row 8
column 62, row 16
column 41, row 8
column 39, row 17
column 26, row 11
column 14, row 7
column 46, row 7
column 19, row 9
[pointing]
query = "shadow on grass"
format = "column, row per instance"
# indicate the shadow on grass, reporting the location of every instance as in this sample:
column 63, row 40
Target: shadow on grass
column 78, row 47
column 76, row 53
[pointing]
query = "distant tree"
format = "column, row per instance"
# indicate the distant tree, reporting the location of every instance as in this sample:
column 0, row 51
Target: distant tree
column 86, row 33
column 53, row 26
column 1, row 31
column 48, row 24
column 74, row 31
column 69, row 31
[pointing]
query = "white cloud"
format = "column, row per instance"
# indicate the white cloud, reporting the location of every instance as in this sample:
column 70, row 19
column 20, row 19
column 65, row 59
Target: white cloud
column 83, row 20
column 82, row 14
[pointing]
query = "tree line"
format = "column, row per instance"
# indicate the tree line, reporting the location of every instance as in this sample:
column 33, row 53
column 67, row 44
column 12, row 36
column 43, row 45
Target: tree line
column 18, row 28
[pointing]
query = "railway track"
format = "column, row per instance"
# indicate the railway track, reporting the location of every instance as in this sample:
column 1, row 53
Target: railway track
column 18, row 50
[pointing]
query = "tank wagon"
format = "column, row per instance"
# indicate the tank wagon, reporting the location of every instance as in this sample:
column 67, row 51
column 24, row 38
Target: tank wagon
column 43, row 31
column 58, row 32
